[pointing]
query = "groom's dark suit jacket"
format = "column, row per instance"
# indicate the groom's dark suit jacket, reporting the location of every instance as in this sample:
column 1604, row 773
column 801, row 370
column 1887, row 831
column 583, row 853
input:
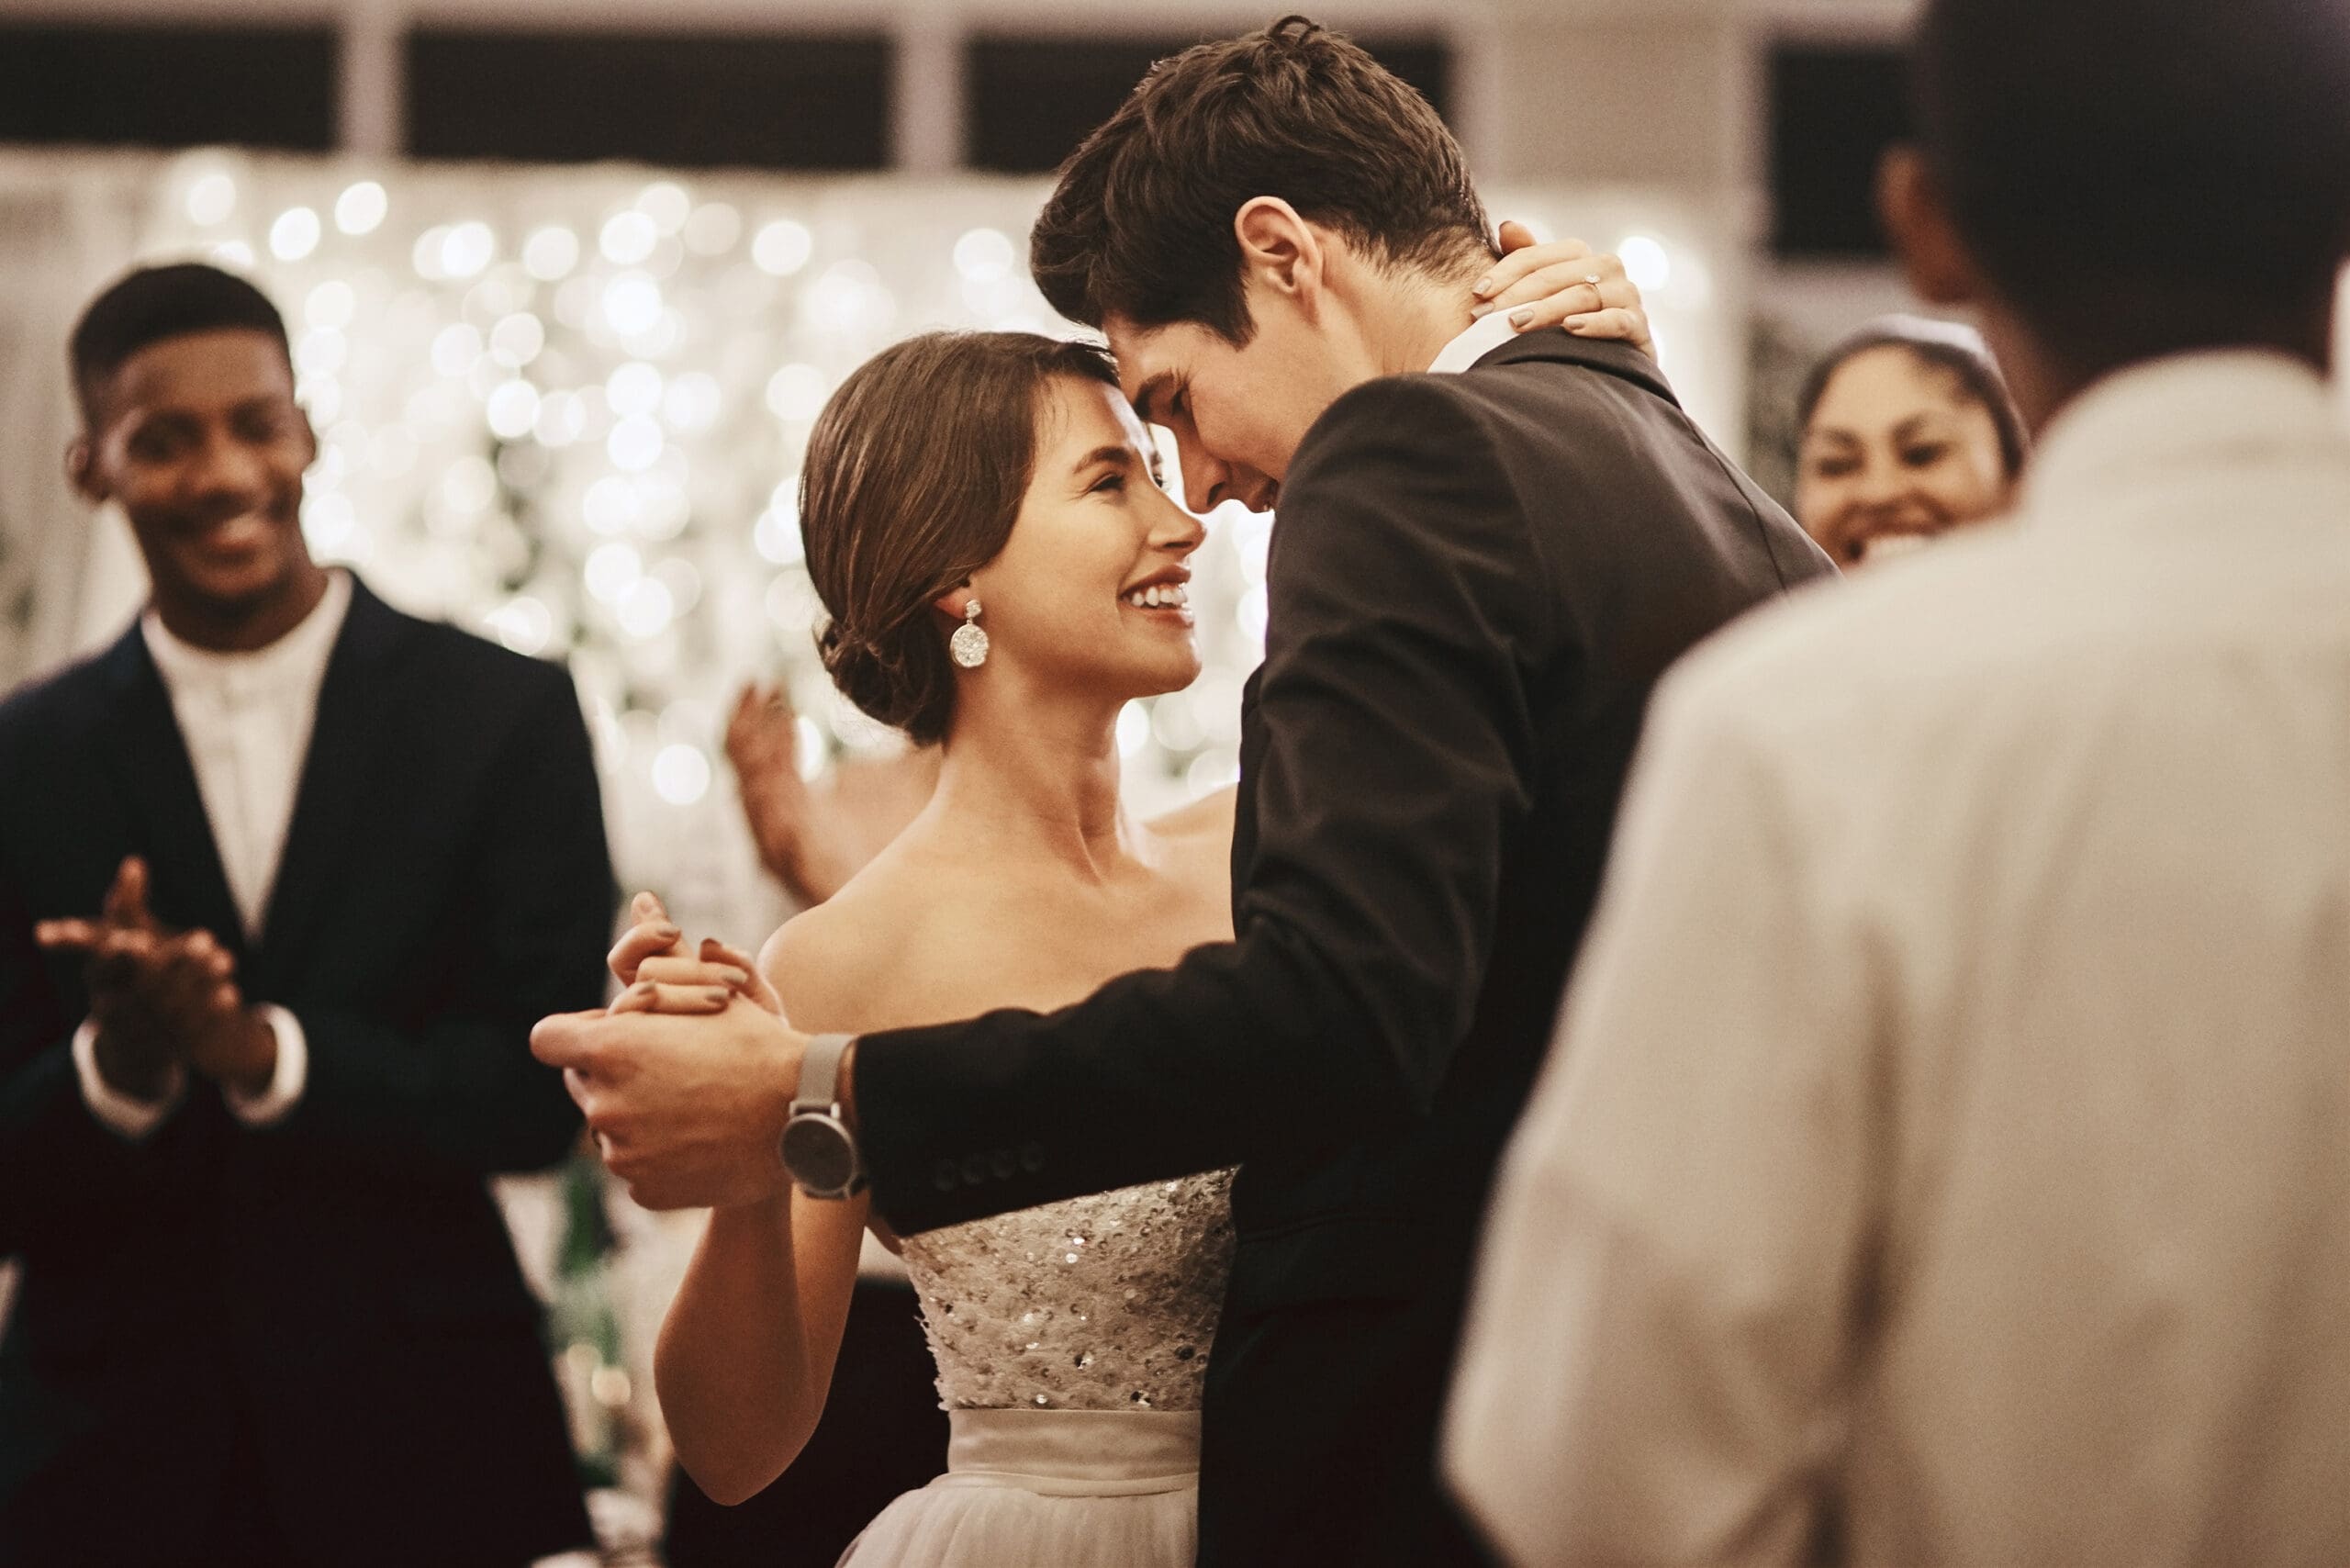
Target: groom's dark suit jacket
column 1474, row 583
column 328, row 1308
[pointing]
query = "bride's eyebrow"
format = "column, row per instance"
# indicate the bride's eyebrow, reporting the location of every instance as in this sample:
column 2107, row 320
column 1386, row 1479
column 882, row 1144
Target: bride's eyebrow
column 1109, row 452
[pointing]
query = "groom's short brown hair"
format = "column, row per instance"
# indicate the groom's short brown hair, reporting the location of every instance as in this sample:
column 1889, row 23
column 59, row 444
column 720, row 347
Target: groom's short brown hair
column 1140, row 225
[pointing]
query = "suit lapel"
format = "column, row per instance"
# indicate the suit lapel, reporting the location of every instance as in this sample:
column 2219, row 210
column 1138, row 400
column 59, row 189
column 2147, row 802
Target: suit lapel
column 345, row 740
column 169, row 830
column 1244, row 816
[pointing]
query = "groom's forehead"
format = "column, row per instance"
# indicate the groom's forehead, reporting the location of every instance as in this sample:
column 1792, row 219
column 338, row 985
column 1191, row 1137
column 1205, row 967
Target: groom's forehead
column 1151, row 360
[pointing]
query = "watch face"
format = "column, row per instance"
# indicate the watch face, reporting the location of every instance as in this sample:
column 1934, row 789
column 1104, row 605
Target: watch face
column 817, row 1152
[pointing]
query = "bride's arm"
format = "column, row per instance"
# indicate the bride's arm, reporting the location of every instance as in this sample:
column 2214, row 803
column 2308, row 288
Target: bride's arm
column 746, row 1353
column 746, row 1356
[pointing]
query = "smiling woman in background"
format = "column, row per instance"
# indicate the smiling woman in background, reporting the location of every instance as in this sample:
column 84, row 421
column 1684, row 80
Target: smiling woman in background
column 1906, row 431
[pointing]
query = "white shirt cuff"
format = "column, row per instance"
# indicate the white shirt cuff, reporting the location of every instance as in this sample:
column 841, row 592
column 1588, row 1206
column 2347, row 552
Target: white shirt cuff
column 276, row 1103
column 118, row 1113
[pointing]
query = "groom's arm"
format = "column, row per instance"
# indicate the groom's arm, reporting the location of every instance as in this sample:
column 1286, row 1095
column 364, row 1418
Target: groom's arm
column 1407, row 608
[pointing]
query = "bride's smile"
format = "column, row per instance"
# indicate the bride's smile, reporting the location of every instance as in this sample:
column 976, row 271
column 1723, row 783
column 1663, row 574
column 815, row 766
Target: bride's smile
column 1164, row 590
column 1089, row 597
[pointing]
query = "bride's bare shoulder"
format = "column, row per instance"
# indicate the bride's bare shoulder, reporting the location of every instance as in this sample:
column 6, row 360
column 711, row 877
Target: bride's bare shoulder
column 828, row 964
column 1204, row 824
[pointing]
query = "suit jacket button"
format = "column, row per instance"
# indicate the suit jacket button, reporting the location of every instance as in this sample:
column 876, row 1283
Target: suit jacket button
column 946, row 1178
column 975, row 1169
column 1000, row 1162
column 1031, row 1157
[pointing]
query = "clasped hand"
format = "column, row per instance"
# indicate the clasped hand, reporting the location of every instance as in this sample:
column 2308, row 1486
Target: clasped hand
column 687, row 1078
column 162, row 999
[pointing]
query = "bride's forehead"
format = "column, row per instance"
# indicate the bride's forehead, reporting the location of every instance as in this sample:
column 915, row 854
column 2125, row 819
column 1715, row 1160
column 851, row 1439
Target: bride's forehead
column 1087, row 414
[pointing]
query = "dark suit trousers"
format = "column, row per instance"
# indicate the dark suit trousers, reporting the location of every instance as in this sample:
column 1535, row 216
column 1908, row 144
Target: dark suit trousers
column 1359, row 1385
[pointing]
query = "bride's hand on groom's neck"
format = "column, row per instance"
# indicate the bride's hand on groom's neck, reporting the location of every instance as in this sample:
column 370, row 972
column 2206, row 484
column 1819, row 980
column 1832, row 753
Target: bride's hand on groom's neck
column 1563, row 283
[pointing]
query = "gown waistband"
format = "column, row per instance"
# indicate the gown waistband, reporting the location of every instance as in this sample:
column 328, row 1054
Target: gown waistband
column 1074, row 1453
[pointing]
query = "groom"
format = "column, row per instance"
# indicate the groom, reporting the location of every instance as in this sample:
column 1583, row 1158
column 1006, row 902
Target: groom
column 1490, row 546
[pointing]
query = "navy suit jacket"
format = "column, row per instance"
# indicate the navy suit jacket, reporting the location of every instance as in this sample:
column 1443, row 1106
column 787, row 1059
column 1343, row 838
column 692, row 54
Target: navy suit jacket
column 340, row 1283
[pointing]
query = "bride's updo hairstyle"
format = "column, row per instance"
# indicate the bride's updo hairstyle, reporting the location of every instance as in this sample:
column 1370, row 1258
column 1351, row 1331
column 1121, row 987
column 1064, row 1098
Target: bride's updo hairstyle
column 913, row 478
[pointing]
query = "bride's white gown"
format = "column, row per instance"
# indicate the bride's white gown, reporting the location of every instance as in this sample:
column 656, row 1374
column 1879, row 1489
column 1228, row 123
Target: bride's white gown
column 1071, row 1341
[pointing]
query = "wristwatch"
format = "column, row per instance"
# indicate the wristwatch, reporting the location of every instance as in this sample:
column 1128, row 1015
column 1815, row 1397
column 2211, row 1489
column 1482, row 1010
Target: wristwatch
column 819, row 1150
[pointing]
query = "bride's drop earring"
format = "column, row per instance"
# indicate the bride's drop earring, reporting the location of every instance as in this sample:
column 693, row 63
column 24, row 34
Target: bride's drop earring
column 969, row 645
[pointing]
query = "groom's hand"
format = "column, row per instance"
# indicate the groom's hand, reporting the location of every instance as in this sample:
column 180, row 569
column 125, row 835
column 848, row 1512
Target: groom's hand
column 688, row 1111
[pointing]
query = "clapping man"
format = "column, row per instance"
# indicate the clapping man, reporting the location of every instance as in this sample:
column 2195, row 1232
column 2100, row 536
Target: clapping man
column 284, row 875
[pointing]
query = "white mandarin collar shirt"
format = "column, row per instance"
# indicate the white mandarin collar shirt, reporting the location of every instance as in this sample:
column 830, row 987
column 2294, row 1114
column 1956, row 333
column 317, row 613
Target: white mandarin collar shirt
column 246, row 720
column 1481, row 338
column 1949, row 1125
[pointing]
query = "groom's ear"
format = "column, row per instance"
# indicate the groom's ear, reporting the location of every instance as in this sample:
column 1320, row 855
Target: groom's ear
column 1279, row 249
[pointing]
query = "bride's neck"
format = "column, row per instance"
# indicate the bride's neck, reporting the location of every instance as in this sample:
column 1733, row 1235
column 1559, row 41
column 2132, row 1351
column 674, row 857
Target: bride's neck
column 1032, row 774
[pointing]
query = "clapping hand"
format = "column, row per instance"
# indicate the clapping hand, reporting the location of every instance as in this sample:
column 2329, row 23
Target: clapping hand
column 162, row 999
column 1563, row 283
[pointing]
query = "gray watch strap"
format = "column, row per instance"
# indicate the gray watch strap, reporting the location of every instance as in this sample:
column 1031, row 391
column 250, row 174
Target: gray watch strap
column 820, row 1073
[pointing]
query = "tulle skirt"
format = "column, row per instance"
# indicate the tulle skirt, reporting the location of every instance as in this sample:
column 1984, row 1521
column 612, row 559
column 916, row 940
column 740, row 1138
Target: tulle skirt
column 1049, row 1489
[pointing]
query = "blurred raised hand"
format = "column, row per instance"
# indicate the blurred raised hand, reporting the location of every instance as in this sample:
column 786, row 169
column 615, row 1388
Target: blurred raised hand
column 798, row 836
column 814, row 838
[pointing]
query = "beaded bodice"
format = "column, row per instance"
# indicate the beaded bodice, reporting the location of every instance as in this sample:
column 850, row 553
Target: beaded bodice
column 1101, row 1303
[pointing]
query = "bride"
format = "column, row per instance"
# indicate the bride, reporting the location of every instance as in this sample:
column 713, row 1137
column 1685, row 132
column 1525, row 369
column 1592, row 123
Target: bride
column 986, row 524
